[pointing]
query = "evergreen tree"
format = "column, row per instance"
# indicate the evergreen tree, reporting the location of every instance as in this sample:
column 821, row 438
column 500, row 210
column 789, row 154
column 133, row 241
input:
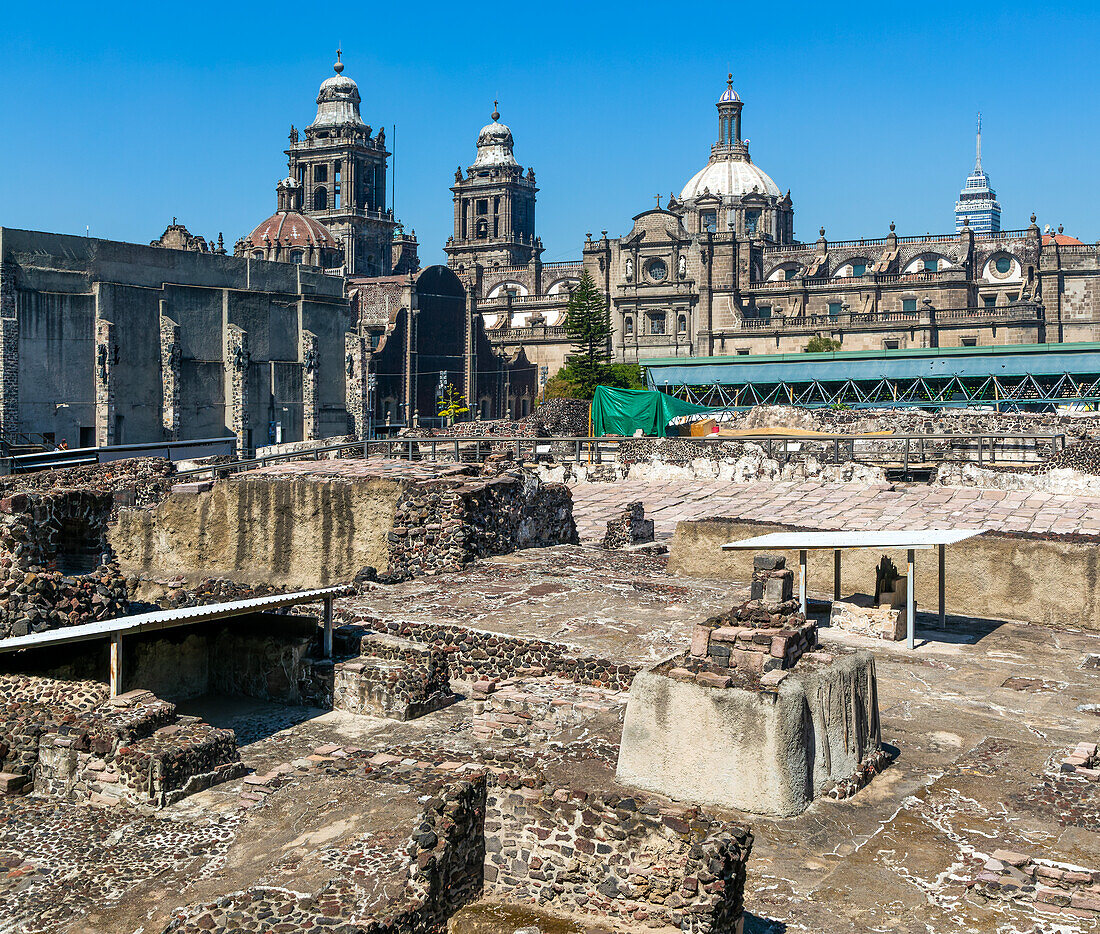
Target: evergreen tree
column 588, row 324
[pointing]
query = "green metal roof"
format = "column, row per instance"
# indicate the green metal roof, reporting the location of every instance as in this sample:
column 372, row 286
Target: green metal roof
column 994, row 350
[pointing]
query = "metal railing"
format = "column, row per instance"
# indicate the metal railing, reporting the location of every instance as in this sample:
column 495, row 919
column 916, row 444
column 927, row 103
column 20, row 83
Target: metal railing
column 78, row 457
column 906, row 452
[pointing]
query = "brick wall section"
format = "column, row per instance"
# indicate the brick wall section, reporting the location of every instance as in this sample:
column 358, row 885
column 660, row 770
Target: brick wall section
column 625, row 857
column 474, row 654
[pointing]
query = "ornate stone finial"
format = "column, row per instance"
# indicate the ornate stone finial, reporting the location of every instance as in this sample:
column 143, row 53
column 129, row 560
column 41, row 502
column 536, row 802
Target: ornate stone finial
column 1033, row 218
column 729, row 81
column 173, row 222
column 891, row 227
column 496, row 111
column 1060, row 228
column 338, row 66
column 822, row 231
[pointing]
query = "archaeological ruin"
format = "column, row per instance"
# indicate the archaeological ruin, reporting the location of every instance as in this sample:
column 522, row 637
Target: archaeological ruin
column 492, row 679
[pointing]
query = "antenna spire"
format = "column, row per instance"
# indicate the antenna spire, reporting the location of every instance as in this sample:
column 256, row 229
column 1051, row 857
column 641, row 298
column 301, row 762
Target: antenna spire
column 978, row 158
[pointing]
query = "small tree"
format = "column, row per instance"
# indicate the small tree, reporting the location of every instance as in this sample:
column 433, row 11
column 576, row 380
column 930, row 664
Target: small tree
column 588, row 324
column 821, row 345
column 452, row 404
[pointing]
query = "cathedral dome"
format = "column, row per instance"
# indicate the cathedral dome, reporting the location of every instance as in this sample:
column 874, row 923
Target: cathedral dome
column 338, row 101
column 732, row 177
column 293, row 229
column 494, row 144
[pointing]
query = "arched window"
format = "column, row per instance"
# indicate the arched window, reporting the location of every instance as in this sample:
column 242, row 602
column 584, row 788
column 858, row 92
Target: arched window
column 790, row 272
column 682, row 324
column 257, row 254
column 320, row 199
column 297, row 256
column 481, row 229
column 931, row 265
column 628, row 326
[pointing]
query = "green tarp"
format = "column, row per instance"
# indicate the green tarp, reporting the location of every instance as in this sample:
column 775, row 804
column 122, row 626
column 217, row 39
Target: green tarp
column 624, row 411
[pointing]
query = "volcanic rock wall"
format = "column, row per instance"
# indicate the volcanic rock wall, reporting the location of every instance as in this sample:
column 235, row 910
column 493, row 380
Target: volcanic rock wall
column 56, row 568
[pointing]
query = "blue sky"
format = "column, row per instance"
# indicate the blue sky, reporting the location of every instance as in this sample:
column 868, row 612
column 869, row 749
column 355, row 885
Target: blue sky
column 121, row 117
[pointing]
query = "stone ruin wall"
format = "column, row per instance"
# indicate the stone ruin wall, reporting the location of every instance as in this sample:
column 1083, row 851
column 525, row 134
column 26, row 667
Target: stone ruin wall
column 357, row 520
column 56, row 568
column 70, row 740
column 474, row 654
column 631, row 858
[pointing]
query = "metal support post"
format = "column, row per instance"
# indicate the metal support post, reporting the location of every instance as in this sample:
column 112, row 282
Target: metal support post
column 116, row 665
column 328, row 627
column 943, row 586
column 802, row 581
column 836, row 573
column 910, row 602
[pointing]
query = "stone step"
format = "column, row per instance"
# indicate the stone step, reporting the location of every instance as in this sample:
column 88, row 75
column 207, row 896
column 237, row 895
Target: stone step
column 13, row 784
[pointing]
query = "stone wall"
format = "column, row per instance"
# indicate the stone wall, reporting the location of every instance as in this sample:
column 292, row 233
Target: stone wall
column 1059, row 891
column 1051, row 580
column 474, row 654
column 624, row 857
column 56, row 568
column 70, row 740
column 311, row 524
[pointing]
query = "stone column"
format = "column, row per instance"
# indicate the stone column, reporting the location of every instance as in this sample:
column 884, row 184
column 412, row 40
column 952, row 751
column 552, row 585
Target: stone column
column 470, row 359
column 356, row 370
column 104, row 383
column 170, row 375
column 310, row 363
column 9, row 352
column 236, row 360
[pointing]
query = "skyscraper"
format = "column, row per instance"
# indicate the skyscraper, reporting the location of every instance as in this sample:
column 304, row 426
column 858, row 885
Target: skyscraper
column 977, row 204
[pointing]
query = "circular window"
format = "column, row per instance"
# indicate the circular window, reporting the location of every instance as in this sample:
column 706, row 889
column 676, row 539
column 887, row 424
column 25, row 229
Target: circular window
column 1003, row 265
column 657, row 270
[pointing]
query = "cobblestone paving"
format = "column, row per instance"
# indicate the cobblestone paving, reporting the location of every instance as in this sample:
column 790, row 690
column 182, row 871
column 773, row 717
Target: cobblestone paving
column 836, row 506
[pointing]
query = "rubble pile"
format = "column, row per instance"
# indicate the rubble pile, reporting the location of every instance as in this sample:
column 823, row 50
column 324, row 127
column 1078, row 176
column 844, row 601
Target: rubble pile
column 766, row 634
column 56, row 568
column 1083, row 760
column 209, row 590
column 1058, row 890
column 631, row 528
column 135, row 481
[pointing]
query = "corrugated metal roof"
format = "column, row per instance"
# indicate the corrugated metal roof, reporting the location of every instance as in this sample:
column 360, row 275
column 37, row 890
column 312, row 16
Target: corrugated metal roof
column 811, row 541
column 166, row 619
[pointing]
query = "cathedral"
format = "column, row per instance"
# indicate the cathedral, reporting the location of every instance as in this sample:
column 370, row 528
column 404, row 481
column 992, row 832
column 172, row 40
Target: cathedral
column 717, row 270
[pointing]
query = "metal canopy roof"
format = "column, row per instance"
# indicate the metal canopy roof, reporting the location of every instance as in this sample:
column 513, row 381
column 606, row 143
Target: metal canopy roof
column 166, row 619
column 809, row 541
column 898, row 365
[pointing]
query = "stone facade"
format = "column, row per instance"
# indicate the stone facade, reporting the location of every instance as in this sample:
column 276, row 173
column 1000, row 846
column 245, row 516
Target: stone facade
column 106, row 342
column 718, row 271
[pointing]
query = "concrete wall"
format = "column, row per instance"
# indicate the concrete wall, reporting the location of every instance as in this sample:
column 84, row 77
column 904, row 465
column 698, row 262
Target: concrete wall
column 759, row 751
column 1050, row 582
column 74, row 293
column 291, row 532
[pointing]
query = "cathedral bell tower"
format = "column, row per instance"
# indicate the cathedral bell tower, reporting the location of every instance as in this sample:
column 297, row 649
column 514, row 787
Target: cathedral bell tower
column 494, row 206
column 340, row 171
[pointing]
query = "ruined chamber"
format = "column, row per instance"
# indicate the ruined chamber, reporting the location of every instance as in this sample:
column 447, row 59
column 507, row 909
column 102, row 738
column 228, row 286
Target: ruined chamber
column 755, row 717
